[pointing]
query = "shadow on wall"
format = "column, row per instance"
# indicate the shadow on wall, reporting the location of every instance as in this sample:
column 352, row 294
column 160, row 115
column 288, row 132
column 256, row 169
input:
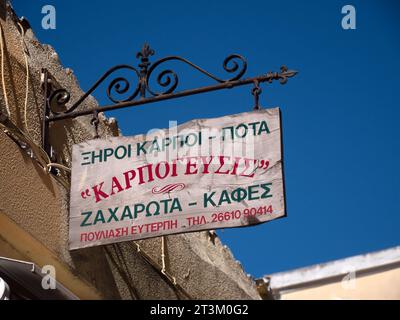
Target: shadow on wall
column 101, row 276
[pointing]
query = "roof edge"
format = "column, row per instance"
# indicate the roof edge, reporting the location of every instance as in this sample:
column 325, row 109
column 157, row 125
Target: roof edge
column 332, row 269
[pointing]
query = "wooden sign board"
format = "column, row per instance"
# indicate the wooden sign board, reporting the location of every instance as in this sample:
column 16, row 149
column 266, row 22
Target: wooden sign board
column 204, row 174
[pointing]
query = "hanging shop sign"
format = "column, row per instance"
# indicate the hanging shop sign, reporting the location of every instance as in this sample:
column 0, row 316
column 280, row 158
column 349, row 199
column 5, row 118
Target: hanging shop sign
column 204, row 174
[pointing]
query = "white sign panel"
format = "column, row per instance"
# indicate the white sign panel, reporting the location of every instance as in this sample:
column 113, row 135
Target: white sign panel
column 204, row 174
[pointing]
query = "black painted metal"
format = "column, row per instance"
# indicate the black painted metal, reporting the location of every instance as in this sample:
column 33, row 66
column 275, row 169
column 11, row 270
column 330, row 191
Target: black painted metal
column 142, row 93
column 46, row 111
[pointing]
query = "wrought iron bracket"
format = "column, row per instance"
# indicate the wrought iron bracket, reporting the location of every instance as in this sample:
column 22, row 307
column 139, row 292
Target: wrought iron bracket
column 125, row 93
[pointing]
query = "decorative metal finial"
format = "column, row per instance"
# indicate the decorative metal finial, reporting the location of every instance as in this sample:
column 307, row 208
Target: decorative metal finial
column 146, row 52
column 144, row 55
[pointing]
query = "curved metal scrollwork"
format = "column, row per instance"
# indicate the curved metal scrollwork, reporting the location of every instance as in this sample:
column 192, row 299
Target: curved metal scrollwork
column 57, row 101
column 120, row 86
column 164, row 77
column 126, row 91
column 117, row 87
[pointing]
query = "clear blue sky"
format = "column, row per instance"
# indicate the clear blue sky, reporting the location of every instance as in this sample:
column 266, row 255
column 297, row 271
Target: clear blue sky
column 340, row 114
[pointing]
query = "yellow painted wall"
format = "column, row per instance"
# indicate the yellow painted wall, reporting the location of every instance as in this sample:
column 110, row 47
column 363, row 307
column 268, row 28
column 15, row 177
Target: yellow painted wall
column 379, row 285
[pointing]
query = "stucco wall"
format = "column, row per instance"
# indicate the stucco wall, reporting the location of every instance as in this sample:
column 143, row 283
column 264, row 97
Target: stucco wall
column 38, row 203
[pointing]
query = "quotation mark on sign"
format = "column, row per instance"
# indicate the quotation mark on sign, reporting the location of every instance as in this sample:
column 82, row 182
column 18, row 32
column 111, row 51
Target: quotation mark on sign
column 85, row 194
column 263, row 164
